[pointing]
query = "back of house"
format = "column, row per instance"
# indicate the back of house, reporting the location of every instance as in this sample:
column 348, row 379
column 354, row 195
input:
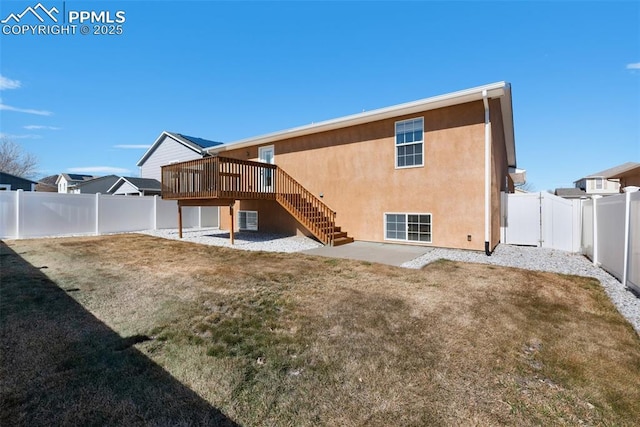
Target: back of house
column 428, row 172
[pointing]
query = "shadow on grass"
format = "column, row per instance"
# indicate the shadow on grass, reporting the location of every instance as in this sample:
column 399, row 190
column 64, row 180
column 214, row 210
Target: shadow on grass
column 248, row 236
column 60, row 365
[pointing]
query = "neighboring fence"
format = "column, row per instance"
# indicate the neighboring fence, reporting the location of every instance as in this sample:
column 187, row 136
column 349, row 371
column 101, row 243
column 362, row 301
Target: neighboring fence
column 611, row 235
column 541, row 219
column 26, row 214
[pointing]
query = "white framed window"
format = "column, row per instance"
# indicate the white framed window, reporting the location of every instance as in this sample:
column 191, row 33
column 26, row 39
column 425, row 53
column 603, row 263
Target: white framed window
column 248, row 220
column 410, row 143
column 599, row 183
column 408, row 227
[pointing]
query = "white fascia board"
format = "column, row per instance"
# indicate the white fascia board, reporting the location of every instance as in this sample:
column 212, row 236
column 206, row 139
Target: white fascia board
column 507, row 122
column 158, row 141
column 494, row 90
column 152, row 148
column 116, row 185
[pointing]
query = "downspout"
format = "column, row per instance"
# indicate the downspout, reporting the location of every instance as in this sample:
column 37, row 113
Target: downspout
column 487, row 174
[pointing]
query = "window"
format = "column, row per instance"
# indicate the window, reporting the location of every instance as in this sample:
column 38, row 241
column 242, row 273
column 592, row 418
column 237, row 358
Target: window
column 598, row 183
column 410, row 143
column 408, row 227
column 248, row 220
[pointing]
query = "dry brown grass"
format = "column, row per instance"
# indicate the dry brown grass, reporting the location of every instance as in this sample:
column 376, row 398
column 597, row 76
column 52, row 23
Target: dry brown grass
column 275, row 339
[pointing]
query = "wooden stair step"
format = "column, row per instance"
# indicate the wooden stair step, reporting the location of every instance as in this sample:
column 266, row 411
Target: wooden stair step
column 342, row 241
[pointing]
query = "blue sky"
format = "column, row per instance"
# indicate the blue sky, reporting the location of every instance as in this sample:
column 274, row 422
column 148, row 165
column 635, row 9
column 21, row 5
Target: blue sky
column 229, row 70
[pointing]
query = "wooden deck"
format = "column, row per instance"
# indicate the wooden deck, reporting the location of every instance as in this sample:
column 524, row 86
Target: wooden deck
column 220, row 181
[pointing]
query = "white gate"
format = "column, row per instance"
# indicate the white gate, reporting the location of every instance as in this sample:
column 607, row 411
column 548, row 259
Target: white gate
column 541, row 219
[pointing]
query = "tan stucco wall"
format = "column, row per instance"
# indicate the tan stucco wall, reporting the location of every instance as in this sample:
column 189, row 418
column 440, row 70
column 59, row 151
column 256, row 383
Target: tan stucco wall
column 354, row 168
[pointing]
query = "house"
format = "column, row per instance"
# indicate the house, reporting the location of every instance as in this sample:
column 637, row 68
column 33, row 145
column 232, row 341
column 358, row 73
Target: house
column 629, row 176
column 47, row 184
column 67, row 181
column 100, row 184
column 130, row 186
column 11, row 182
column 427, row 172
column 172, row 147
column 604, row 183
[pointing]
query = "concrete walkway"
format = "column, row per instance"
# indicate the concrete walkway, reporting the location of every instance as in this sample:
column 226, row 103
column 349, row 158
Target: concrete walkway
column 384, row 253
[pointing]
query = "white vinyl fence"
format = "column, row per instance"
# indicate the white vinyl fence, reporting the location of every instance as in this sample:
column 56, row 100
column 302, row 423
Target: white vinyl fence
column 611, row 235
column 541, row 219
column 26, row 214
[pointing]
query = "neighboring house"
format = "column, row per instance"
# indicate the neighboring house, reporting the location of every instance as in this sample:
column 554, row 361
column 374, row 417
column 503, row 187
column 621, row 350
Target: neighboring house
column 100, row 184
column 604, row 183
column 66, row 182
column 629, row 175
column 11, row 182
column 172, row 147
column 426, row 172
column 131, row 186
column 47, row 184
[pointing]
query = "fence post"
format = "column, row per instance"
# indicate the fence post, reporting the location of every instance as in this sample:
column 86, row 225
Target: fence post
column 18, row 201
column 155, row 212
column 627, row 230
column 595, row 229
column 97, row 214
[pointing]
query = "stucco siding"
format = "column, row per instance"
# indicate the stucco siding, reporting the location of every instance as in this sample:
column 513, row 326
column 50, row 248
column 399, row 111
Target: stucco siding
column 354, row 170
column 168, row 151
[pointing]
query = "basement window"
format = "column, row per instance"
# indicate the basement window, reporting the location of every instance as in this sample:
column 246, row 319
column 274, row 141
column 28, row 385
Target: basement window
column 248, row 220
column 408, row 227
column 410, row 143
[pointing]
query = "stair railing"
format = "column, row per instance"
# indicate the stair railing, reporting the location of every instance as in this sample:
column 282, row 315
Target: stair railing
column 312, row 212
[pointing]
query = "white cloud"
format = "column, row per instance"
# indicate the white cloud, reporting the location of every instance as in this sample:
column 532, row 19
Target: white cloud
column 24, row 110
column 6, row 83
column 23, row 136
column 634, row 66
column 99, row 170
column 38, row 127
column 132, row 146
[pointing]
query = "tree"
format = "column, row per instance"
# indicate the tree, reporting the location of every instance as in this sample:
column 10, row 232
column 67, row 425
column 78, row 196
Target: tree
column 527, row 187
column 15, row 161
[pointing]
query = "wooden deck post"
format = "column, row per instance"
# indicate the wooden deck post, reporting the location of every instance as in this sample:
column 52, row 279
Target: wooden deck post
column 180, row 219
column 232, row 226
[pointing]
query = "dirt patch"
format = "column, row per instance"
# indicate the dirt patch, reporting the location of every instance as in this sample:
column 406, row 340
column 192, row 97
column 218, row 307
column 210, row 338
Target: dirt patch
column 284, row 339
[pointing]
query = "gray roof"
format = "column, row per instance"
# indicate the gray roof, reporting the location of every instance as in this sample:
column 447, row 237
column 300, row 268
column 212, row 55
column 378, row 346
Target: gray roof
column 570, row 192
column 608, row 173
column 142, row 184
column 49, row 180
column 97, row 185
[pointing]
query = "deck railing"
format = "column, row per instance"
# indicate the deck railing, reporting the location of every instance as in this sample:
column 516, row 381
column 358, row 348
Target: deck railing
column 218, row 177
column 226, row 178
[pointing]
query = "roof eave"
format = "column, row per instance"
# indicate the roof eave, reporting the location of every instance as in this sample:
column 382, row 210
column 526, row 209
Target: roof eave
column 494, row 90
column 176, row 137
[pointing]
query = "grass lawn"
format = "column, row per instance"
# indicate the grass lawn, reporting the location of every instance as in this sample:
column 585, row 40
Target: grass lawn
column 136, row 330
